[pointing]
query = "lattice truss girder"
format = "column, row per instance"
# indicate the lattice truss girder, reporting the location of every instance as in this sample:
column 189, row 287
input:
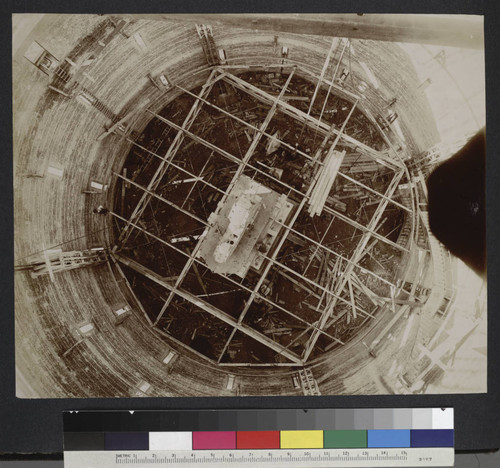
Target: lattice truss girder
column 343, row 284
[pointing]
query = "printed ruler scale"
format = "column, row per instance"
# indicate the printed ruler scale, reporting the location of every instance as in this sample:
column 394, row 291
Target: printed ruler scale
column 397, row 437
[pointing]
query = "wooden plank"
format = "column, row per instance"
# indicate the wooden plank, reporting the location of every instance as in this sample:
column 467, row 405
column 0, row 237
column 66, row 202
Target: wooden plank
column 353, row 304
column 364, row 289
column 356, row 256
column 325, row 182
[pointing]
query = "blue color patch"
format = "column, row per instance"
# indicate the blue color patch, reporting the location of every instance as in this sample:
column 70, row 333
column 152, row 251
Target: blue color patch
column 432, row 438
column 388, row 438
column 126, row 441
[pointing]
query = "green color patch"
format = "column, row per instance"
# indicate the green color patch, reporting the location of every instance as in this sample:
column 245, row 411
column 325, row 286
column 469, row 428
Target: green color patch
column 345, row 439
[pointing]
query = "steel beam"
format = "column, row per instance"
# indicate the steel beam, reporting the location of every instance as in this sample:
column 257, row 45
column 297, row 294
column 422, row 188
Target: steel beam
column 358, row 226
column 272, row 259
column 180, row 168
column 159, row 197
column 306, row 196
column 334, row 295
column 129, row 287
column 333, row 78
column 205, row 223
column 246, row 159
column 335, row 40
column 365, row 229
column 369, row 189
column 247, row 124
column 344, row 93
column 269, row 265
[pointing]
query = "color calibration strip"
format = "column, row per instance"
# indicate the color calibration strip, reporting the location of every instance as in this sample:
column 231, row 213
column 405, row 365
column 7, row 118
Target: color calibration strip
column 317, row 438
column 256, row 440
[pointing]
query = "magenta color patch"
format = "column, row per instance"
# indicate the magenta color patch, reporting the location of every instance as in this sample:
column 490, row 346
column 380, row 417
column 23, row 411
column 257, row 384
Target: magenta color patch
column 216, row 440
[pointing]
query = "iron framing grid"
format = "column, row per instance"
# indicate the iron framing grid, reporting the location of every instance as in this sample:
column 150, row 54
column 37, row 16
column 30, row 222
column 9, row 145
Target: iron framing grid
column 183, row 130
column 242, row 164
column 286, row 145
column 272, row 260
column 319, row 245
column 303, row 202
column 195, row 298
column 210, row 309
column 236, row 160
column 311, row 121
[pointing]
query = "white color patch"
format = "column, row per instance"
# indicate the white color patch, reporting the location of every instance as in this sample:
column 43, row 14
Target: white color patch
column 170, row 441
column 442, row 418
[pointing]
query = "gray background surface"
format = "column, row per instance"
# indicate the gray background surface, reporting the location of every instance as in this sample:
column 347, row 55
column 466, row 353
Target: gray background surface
column 35, row 425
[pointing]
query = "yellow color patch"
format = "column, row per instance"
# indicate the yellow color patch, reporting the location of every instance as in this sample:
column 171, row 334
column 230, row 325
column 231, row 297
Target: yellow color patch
column 301, row 439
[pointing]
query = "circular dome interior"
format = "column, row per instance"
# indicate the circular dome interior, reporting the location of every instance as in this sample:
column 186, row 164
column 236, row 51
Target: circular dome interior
column 248, row 207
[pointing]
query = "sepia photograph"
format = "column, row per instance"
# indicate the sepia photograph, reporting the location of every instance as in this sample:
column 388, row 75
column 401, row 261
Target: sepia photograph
column 249, row 204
